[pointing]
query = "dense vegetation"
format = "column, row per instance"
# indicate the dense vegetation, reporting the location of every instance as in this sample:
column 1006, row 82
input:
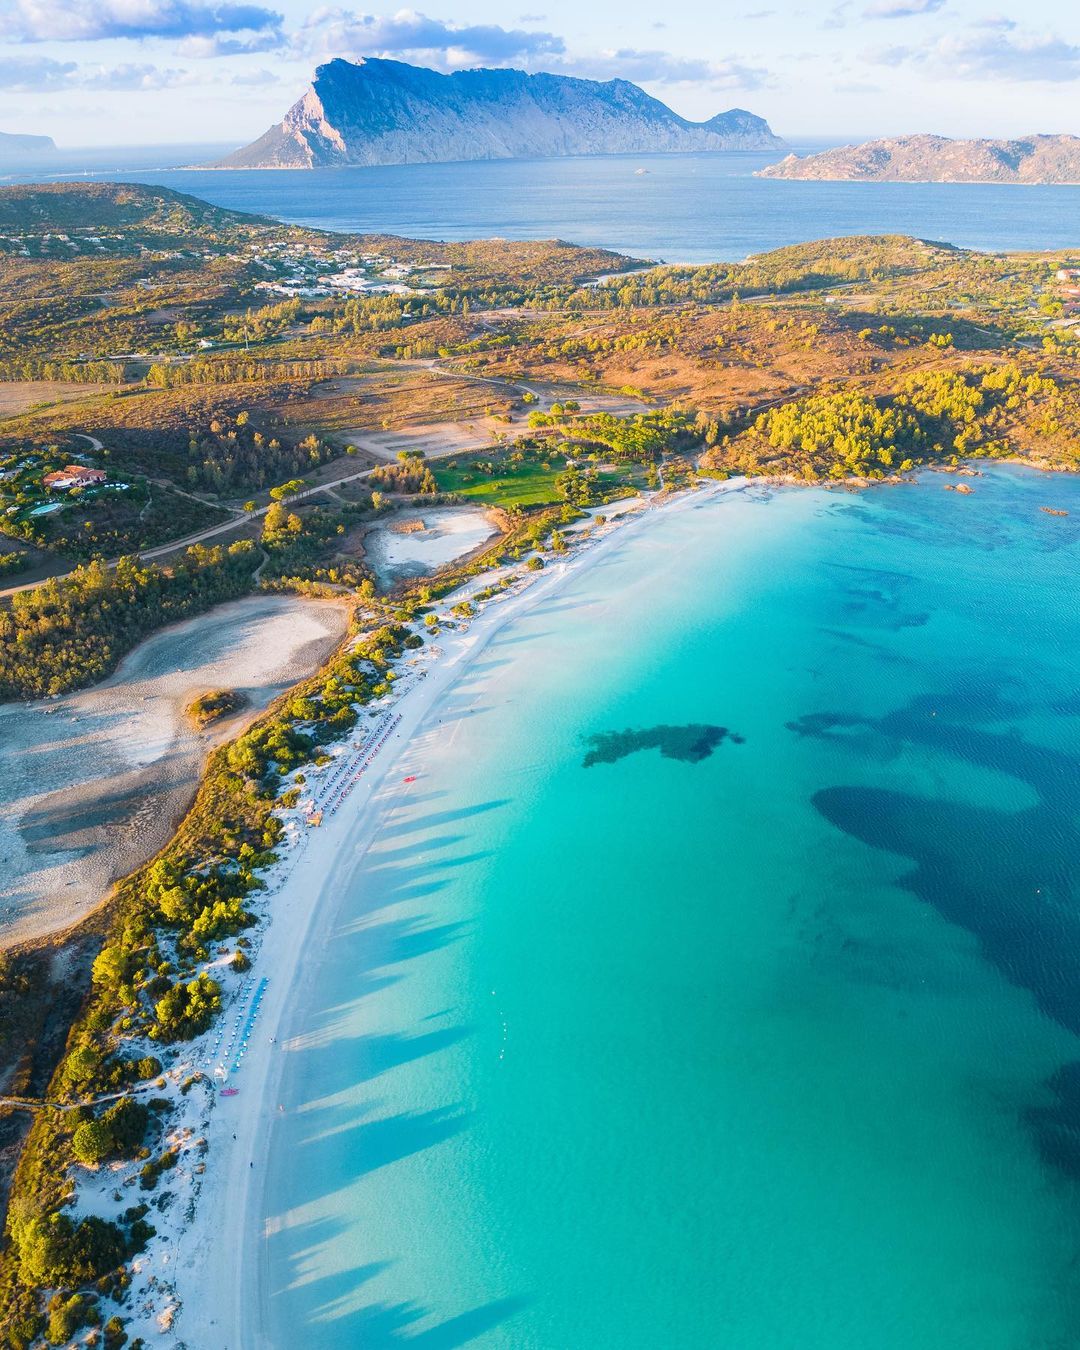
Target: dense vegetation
column 64, row 634
column 214, row 705
column 933, row 416
column 829, row 262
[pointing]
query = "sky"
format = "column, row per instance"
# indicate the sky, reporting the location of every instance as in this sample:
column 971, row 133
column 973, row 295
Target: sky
column 147, row 72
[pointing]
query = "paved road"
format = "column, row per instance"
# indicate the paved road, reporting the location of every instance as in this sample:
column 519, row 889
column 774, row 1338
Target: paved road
column 176, row 545
column 224, row 527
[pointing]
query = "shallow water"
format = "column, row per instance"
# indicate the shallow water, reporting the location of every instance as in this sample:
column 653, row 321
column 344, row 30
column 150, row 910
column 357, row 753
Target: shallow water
column 94, row 783
column 758, row 1039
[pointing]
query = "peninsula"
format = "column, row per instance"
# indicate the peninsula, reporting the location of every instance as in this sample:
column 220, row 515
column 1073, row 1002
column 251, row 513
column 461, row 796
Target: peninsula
column 938, row 159
column 389, row 112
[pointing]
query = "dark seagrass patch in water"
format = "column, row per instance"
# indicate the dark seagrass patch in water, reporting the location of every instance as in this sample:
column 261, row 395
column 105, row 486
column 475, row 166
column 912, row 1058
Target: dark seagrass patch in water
column 691, row 743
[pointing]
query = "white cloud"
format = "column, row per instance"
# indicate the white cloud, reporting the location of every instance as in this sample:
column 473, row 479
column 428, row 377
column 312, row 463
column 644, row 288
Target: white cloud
column 25, row 77
column 902, row 9
column 996, row 56
column 93, row 20
column 411, row 34
column 201, row 47
column 657, row 67
column 254, row 79
column 130, row 78
column 40, row 74
column 991, row 55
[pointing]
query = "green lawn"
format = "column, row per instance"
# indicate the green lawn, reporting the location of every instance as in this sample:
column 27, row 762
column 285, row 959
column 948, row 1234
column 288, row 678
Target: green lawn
column 524, row 485
column 528, row 484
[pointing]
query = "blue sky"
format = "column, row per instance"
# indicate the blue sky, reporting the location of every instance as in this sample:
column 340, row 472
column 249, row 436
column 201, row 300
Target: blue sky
column 107, row 72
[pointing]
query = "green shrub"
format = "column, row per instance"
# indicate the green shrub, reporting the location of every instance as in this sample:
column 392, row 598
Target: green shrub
column 53, row 1250
column 115, row 1335
column 68, row 1316
column 127, row 1122
column 81, row 1068
column 186, row 1010
column 92, row 1143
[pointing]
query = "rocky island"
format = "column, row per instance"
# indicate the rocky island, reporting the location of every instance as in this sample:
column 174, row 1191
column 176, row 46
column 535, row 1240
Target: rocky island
column 388, row 112
column 939, row 159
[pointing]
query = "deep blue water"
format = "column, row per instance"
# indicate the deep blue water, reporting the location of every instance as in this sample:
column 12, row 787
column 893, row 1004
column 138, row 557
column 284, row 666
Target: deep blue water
column 685, row 208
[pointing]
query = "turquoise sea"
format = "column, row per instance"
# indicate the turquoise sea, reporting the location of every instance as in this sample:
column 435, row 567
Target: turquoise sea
column 761, row 1038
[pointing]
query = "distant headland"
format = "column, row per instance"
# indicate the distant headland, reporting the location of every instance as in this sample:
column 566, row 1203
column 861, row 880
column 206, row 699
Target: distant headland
column 15, row 146
column 938, row 159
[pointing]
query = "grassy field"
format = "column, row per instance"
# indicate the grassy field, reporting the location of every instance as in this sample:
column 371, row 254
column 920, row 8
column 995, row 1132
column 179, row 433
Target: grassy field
column 529, row 483
column 522, row 485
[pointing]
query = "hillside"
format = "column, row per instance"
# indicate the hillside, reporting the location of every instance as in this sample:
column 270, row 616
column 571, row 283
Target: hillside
column 139, row 212
column 389, row 112
column 937, row 159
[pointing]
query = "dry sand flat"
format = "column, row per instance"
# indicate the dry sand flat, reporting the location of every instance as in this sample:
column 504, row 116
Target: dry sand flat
column 18, row 395
column 434, row 439
column 94, row 783
column 438, row 440
column 448, row 533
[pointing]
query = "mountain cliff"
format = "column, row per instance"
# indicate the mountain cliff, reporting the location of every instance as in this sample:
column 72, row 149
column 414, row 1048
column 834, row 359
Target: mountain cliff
column 388, row 112
column 13, row 146
column 937, row 159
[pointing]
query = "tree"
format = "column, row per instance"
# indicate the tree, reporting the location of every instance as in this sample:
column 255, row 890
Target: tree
column 186, row 1010
column 289, row 489
column 274, row 522
column 68, row 1316
column 126, row 1121
column 92, row 1143
column 81, row 1068
column 54, row 1251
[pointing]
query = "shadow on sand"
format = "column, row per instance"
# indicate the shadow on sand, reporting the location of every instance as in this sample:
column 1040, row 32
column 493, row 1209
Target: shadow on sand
column 361, row 1122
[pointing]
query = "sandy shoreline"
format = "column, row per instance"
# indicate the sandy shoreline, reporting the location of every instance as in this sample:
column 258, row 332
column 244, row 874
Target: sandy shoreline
column 209, row 1264
column 93, row 783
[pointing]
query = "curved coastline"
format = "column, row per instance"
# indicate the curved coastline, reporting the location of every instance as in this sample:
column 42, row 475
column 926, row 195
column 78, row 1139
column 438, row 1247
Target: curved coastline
column 115, row 765
column 221, row 1303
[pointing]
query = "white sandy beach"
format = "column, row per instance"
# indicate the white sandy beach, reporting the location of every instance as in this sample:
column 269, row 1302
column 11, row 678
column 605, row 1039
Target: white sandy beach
column 208, row 1264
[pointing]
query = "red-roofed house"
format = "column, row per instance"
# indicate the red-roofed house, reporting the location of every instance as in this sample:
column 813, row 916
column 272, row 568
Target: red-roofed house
column 74, row 476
